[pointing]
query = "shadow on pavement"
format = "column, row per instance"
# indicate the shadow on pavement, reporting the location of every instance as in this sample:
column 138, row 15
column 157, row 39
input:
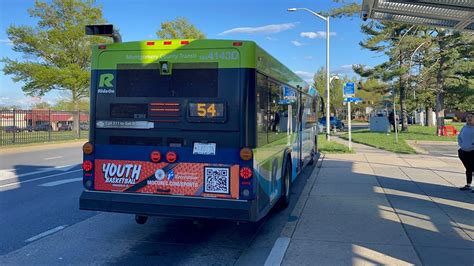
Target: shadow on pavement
column 355, row 217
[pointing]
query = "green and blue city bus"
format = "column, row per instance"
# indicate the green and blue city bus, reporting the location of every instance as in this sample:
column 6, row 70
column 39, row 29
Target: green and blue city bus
column 195, row 128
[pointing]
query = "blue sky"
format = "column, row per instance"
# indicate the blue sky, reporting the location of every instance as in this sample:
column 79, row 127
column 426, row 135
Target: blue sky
column 297, row 39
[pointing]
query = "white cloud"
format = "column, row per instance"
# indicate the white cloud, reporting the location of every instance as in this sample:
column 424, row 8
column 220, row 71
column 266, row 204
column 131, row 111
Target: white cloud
column 296, row 43
column 344, row 69
column 316, row 35
column 308, row 57
column 273, row 28
column 6, row 41
column 271, row 38
column 304, row 75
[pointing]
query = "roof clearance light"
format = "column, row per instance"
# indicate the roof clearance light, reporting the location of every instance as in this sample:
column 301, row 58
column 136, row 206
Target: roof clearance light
column 246, row 172
column 150, row 43
column 87, row 165
column 184, row 42
column 237, row 44
column 102, row 47
column 171, row 156
column 167, row 42
column 155, row 156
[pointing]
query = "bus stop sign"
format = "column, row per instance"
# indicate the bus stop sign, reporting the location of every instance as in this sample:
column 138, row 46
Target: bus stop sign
column 348, row 90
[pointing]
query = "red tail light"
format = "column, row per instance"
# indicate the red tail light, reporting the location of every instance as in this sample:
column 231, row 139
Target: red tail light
column 171, row 156
column 184, row 42
column 102, row 47
column 237, row 43
column 155, row 156
column 246, row 172
column 150, row 43
column 167, row 42
column 87, row 166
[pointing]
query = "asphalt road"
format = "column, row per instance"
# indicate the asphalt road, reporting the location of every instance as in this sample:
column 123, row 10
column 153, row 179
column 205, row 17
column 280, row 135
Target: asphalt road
column 40, row 222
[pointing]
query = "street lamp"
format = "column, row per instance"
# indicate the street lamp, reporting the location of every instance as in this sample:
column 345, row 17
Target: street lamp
column 328, row 112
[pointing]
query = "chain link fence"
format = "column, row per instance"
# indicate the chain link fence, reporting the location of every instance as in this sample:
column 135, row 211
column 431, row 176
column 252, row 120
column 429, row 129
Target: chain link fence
column 30, row 126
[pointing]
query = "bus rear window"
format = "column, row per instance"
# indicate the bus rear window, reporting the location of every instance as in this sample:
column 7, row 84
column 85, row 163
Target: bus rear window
column 184, row 80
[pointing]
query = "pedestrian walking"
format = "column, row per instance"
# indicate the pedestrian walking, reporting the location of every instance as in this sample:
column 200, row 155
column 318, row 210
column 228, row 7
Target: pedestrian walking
column 391, row 119
column 466, row 149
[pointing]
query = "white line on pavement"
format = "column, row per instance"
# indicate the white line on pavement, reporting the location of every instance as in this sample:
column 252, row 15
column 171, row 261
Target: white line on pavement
column 46, row 233
column 52, row 158
column 278, row 251
column 39, row 178
column 60, row 182
column 8, row 174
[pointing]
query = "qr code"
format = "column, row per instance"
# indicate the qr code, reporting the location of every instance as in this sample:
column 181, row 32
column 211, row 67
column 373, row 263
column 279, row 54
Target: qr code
column 216, row 180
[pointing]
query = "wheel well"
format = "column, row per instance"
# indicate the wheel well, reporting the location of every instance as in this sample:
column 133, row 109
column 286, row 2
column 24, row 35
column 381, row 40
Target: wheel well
column 287, row 159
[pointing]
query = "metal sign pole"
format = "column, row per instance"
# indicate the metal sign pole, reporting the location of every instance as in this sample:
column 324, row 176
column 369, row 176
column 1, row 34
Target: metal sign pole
column 350, row 126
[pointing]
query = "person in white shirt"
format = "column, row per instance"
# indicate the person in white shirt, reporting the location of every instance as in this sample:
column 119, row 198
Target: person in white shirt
column 466, row 149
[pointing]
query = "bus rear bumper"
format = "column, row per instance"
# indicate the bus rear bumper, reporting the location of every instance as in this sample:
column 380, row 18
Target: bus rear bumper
column 174, row 206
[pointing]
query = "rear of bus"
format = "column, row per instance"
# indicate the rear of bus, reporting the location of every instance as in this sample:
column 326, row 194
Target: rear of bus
column 168, row 136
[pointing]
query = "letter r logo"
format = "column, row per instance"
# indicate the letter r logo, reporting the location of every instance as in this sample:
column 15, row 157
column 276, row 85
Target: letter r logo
column 106, row 80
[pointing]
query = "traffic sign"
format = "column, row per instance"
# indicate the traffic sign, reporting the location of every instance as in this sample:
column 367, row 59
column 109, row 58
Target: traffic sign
column 349, row 90
column 352, row 100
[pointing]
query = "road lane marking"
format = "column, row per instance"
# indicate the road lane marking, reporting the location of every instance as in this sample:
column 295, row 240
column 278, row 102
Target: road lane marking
column 278, row 251
column 52, row 158
column 46, row 233
column 4, row 174
column 60, row 182
column 39, row 178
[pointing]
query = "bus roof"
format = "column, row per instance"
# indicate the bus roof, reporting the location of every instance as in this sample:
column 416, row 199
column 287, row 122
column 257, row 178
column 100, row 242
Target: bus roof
column 251, row 55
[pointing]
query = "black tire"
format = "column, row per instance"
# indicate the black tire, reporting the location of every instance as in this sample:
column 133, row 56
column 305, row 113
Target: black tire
column 141, row 219
column 284, row 200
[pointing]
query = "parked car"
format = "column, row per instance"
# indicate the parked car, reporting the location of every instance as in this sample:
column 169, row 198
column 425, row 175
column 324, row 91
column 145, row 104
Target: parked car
column 334, row 122
column 11, row 129
column 64, row 127
column 44, row 127
column 27, row 129
column 84, row 126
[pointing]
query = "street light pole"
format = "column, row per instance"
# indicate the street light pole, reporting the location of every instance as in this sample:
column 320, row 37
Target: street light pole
column 328, row 111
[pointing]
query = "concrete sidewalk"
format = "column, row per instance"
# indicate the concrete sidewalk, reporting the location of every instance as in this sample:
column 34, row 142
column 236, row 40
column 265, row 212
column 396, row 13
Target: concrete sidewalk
column 377, row 207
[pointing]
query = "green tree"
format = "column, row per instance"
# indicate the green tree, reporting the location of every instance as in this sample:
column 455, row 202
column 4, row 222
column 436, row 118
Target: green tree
column 57, row 52
column 179, row 28
column 397, row 42
column 64, row 105
column 41, row 105
column 448, row 68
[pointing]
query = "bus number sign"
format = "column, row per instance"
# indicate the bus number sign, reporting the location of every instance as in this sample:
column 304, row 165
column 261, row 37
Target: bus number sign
column 206, row 110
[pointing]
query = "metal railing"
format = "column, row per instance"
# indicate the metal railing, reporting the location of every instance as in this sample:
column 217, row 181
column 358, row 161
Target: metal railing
column 30, row 126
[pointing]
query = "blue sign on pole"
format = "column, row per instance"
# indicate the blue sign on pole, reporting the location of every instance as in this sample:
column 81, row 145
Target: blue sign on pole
column 352, row 100
column 349, row 90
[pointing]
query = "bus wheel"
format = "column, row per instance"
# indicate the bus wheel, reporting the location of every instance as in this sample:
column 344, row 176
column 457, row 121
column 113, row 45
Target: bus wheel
column 285, row 188
column 141, row 219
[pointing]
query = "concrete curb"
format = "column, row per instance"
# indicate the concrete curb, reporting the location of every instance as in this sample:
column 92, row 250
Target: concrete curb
column 281, row 244
column 418, row 149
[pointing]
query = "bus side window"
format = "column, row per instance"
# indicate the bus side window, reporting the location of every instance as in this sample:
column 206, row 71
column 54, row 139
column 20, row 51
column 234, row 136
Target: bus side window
column 277, row 112
column 262, row 110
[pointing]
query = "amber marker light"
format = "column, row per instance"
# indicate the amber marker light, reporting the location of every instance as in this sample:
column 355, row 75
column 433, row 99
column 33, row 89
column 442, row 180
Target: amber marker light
column 88, row 148
column 246, row 154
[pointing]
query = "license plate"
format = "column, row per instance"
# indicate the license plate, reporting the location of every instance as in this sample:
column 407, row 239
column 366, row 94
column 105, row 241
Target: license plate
column 204, row 148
